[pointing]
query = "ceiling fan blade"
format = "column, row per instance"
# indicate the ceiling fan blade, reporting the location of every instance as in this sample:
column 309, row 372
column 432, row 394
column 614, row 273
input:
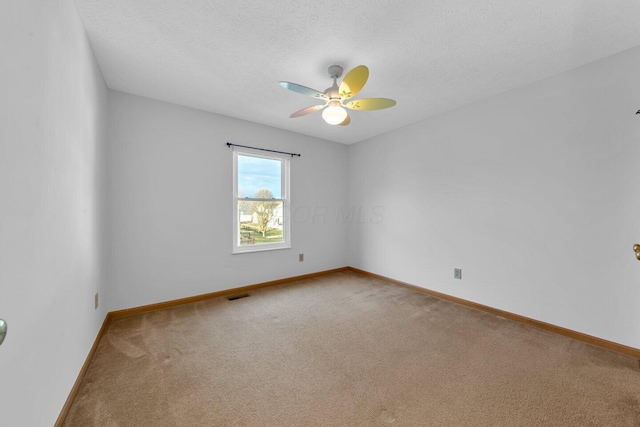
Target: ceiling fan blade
column 371, row 104
column 306, row 111
column 353, row 82
column 303, row 90
column 346, row 121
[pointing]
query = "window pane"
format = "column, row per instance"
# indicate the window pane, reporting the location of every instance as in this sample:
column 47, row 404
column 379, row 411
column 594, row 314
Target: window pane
column 260, row 222
column 259, row 177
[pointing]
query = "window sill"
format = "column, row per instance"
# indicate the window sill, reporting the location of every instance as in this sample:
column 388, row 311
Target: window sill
column 258, row 248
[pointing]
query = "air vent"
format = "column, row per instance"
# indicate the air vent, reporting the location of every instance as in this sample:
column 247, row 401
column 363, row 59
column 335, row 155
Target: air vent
column 235, row 297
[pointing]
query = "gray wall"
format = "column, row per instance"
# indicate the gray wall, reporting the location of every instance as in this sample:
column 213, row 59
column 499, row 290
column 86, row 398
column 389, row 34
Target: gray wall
column 170, row 203
column 52, row 133
column 533, row 193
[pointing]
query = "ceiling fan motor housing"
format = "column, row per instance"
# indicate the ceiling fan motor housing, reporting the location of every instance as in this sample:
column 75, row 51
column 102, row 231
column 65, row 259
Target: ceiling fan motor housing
column 335, row 71
column 333, row 92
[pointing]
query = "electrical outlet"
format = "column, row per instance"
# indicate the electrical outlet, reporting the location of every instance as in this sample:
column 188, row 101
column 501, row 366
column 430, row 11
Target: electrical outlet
column 96, row 301
column 457, row 273
column 300, row 257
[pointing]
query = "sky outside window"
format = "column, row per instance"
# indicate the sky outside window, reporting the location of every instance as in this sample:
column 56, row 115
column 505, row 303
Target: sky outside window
column 255, row 173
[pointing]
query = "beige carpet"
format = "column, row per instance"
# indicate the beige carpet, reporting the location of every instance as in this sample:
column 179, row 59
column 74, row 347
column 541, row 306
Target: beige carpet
column 348, row 350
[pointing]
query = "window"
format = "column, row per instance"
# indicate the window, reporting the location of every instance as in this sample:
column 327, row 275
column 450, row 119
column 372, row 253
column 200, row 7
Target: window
column 260, row 201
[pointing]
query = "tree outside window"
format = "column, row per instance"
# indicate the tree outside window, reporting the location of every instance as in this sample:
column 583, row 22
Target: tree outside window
column 261, row 202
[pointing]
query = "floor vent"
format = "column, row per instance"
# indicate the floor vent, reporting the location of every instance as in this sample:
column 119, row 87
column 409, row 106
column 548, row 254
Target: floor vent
column 235, row 297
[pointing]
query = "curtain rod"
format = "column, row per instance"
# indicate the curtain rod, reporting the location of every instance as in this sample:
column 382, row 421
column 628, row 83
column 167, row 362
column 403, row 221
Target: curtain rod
column 262, row 149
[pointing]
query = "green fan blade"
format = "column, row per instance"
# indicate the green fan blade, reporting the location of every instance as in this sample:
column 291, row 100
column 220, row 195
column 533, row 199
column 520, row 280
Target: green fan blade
column 371, row 104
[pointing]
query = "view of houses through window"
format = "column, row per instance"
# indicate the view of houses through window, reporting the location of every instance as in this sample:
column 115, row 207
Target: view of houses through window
column 260, row 193
column 260, row 221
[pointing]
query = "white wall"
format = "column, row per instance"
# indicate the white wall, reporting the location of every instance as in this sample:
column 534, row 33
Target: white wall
column 169, row 203
column 534, row 193
column 51, row 164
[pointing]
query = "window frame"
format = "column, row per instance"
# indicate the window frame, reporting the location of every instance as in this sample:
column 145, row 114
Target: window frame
column 284, row 198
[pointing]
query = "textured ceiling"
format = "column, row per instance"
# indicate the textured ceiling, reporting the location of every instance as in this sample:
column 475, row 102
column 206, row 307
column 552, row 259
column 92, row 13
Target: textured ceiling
column 431, row 56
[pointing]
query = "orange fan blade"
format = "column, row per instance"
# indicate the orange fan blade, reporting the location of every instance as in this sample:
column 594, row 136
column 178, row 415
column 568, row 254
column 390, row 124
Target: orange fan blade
column 346, row 121
column 353, row 82
column 371, row 104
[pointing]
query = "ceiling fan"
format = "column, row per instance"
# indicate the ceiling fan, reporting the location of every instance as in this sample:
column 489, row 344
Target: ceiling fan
column 336, row 97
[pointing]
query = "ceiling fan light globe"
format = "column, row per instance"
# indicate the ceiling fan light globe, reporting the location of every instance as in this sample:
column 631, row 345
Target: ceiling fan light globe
column 334, row 115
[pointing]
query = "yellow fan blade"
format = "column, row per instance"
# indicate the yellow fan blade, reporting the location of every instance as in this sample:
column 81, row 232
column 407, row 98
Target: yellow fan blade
column 353, row 82
column 346, row 121
column 371, row 104
column 306, row 111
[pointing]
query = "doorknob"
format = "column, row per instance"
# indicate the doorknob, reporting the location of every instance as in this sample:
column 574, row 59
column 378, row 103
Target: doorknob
column 3, row 330
column 636, row 249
